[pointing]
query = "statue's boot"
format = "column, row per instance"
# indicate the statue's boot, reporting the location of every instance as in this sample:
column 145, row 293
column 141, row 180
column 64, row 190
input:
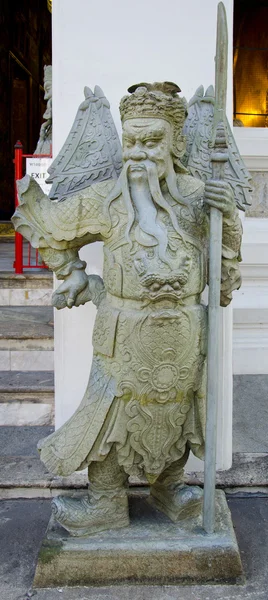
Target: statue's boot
column 105, row 506
column 173, row 497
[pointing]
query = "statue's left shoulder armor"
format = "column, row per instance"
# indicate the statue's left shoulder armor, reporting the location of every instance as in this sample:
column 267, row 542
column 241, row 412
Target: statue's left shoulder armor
column 55, row 224
column 78, row 215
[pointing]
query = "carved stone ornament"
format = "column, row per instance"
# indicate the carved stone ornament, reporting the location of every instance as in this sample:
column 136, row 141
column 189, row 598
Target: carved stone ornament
column 144, row 407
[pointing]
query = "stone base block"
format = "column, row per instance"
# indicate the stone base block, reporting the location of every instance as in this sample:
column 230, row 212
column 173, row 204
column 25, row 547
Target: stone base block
column 152, row 550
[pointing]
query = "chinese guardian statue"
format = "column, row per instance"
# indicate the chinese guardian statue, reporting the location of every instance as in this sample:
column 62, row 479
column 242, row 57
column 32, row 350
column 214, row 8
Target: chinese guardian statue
column 144, row 406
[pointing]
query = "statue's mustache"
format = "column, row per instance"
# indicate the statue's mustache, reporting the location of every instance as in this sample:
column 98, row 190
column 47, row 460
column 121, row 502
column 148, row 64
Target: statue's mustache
column 141, row 164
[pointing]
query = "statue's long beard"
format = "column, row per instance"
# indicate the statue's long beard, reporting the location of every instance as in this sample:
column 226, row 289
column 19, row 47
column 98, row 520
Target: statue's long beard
column 142, row 198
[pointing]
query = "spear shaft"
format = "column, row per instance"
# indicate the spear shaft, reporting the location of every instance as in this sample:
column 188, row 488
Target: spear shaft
column 219, row 158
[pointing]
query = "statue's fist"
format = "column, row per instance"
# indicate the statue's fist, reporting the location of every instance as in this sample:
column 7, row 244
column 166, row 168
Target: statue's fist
column 219, row 194
column 66, row 294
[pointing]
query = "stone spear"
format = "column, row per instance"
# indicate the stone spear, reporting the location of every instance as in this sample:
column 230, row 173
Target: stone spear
column 219, row 157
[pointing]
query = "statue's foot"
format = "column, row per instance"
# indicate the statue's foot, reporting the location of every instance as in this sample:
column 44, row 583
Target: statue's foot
column 179, row 502
column 84, row 516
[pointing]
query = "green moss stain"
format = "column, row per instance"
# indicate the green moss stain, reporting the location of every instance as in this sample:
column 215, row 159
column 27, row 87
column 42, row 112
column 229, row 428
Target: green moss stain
column 49, row 551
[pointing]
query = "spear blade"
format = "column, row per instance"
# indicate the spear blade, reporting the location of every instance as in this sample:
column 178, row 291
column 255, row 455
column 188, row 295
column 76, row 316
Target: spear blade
column 221, row 68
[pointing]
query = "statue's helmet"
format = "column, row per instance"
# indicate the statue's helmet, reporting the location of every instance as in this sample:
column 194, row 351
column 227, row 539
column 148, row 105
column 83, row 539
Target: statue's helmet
column 158, row 101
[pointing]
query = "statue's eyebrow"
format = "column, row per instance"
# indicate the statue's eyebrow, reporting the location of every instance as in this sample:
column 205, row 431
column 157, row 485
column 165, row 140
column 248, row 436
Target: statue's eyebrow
column 128, row 136
column 155, row 134
column 147, row 134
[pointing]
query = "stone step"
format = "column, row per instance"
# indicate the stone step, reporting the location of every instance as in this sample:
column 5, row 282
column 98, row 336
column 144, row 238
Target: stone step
column 22, row 441
column 26, row 338
column 23, row 476
column 26, row 398
column 29, row 289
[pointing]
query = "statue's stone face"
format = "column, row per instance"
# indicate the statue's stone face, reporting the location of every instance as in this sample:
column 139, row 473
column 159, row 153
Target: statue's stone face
column 147, row 139
column 48, row 89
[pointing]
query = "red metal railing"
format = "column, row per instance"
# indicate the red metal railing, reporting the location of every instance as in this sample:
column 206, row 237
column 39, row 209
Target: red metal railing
column 19, row 264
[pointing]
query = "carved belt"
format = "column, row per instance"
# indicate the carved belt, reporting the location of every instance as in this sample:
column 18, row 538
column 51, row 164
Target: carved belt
column 129, row 303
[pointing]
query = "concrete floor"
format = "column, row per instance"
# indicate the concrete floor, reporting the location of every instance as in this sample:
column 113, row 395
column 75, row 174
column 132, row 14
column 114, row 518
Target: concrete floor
column 23, row 524
column 250, row 414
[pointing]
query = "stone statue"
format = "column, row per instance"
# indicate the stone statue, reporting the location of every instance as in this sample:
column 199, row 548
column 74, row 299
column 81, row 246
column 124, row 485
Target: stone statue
column 144, row 406
column 45, row 137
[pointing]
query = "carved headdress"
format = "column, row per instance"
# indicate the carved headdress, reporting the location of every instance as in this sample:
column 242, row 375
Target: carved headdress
column 155, row 100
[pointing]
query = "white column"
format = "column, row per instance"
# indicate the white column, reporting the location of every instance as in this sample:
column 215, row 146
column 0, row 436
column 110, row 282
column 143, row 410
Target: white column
column 115, row 44
column 250, row 335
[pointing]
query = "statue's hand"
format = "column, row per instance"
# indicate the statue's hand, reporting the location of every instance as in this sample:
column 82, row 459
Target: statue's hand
column 66, row 294
column 219, row 194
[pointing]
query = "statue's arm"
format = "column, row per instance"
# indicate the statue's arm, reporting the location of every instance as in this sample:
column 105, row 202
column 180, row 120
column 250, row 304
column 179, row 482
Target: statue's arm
column 77, row 287
column 58, row 230
column 220, row 195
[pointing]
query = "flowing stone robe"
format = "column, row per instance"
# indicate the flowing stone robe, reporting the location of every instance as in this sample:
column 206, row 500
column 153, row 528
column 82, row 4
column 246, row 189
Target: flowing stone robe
column 147, row 386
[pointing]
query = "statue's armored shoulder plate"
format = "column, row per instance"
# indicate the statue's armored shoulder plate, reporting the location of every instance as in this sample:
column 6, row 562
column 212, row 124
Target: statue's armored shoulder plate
column 197, row 158
column 92, row 151
column 45, row 222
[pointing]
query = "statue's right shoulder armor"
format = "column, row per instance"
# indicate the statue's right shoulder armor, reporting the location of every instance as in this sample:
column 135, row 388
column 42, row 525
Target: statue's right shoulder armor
column 92, row 151
column 197, row 158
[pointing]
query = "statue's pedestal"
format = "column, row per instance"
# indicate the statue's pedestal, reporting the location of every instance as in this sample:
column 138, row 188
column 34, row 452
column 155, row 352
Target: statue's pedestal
column 152, row 550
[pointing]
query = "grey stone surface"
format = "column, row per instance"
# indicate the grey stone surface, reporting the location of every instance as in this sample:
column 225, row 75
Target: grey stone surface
column 42, row 279
column 23, row 471
column 26, row 381
column 19, row 542
column 250, row 413
column 22, row 475
column 26, row 322
column 19, row 545
column 151, row 550
column 22, row 441
column 259, row 205
column 25, row 477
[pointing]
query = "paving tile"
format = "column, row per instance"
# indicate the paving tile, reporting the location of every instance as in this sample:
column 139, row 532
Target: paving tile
column 4, row 360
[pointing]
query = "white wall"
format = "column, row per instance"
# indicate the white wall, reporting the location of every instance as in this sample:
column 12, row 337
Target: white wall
column 250, row 334
column 115, row 44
